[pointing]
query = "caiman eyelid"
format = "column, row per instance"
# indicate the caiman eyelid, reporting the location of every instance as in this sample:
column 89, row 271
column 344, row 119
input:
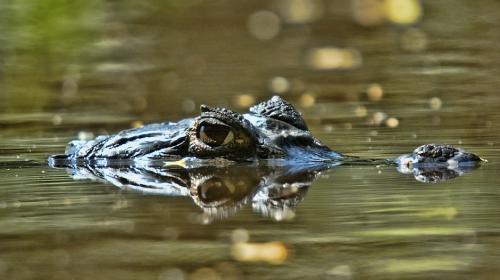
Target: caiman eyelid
column 205, row 108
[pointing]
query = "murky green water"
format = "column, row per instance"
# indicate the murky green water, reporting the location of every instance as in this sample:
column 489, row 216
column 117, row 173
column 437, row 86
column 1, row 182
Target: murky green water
column 99, row 66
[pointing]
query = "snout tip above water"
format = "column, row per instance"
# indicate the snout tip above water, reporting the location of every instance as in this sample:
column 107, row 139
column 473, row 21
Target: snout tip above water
column 438, row 154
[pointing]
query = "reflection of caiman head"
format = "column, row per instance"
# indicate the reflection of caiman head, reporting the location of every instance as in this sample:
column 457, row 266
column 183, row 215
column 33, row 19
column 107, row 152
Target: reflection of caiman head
column 433, row 173
column 219, row 191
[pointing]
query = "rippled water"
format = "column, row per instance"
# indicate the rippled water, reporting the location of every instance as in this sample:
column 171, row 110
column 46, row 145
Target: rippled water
column 102, row 66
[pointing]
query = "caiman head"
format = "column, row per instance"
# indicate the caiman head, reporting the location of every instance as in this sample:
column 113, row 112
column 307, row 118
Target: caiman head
column 273, row 129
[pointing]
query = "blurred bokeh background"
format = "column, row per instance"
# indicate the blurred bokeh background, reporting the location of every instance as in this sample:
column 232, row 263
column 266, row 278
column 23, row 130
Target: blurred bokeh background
column 158, row 59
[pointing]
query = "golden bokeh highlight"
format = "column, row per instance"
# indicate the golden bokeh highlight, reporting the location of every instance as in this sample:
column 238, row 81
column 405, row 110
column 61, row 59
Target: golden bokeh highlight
column 271, row 252
column 330, row 58
column 307, row 100
column 300, row 11
column 137, row 124
column 404, row 12
column 371, row 13
column 435, row 103
column 392, row 122
column 375, row 92
column 367, row 12
column 244, row 100
column 360, row 111
column 279, row 85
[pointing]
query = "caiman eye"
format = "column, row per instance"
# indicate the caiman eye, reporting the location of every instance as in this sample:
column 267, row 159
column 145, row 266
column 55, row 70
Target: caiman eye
column 215, row 134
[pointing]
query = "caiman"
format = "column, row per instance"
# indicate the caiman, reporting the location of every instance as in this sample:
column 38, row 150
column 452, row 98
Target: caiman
column 224, row 160
column 272, row 132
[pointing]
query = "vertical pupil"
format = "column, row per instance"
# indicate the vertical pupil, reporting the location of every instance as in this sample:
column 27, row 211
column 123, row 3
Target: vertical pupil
column 214, row 133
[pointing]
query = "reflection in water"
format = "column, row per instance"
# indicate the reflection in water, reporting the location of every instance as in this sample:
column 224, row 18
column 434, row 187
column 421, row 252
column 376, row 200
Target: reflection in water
column 434, row 174
column 219, row 191
column 273, row 191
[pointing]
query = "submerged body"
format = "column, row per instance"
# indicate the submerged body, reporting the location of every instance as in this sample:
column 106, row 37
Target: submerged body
column 273, row 130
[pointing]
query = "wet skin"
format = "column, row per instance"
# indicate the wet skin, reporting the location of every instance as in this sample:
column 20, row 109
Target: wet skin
column 272, row 131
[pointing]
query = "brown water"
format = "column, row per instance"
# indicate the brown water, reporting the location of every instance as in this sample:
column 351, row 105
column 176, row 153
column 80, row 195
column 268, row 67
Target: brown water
column 99, row 66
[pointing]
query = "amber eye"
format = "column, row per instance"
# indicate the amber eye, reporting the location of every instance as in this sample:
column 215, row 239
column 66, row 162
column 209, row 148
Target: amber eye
column 215, row 134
